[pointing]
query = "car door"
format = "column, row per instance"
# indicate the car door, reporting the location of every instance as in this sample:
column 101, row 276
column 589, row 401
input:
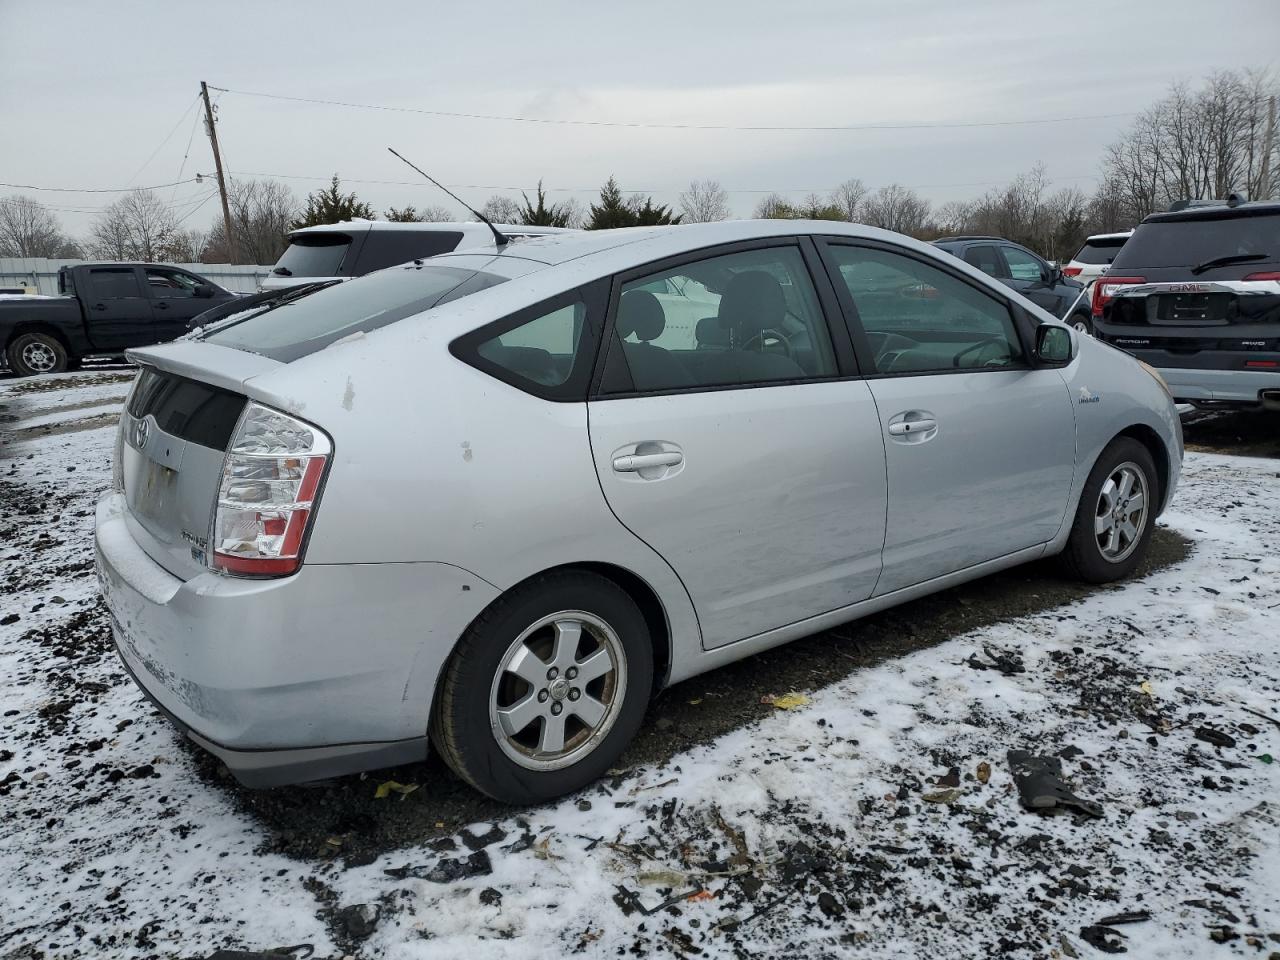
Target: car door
column 742, row 447
column 980, row 446
column 1030, row 276
column 118, row 312
column 173, row 301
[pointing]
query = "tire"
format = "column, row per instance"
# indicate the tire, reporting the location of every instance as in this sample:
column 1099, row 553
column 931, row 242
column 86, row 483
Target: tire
column 517, row 654
column 1082, row 323
column 1091, row 553
column 31, row 354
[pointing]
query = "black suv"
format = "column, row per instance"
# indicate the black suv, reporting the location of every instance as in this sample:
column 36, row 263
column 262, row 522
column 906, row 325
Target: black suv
column 1035, row 278
column 1196, row 294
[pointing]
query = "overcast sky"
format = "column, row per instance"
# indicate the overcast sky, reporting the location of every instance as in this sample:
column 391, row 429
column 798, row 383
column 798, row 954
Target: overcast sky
column 89, row 92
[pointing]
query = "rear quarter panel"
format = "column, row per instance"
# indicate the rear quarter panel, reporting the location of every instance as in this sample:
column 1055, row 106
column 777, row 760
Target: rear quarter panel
column 61, row 314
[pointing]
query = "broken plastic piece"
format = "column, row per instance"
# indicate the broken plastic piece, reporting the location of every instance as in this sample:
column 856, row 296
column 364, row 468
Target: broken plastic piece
column 1041, row 787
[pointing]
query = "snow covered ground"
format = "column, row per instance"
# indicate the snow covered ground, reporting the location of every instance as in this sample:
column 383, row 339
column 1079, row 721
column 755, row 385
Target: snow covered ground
column 879, row 819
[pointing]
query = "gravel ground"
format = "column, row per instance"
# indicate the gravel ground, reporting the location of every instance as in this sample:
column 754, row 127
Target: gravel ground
column 860, row 823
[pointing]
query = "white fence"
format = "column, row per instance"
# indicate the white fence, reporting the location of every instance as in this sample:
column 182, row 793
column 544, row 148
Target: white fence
column 42, row 273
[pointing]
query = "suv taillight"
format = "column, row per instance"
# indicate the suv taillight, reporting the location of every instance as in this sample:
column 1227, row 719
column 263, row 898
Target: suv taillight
column 1102, row 290
column 1071, row 271
column 1267, row 275
column 268, row 492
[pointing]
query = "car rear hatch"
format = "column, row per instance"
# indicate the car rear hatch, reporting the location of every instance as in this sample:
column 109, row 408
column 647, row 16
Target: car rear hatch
column 174, row 433
column 1198, row 290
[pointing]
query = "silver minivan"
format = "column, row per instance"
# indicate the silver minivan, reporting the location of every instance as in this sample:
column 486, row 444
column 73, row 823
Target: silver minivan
column 494, row 501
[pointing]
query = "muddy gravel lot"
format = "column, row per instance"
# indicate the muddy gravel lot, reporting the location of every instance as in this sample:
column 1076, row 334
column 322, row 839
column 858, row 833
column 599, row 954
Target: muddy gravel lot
column 858, row 793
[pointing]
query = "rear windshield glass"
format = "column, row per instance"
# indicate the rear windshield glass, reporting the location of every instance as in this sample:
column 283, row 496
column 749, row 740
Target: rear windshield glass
column 1187, row 243
column 294, row 328
column 1100, row 251
column 314, row 255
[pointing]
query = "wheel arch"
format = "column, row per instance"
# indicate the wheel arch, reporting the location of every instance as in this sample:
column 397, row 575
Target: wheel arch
column 1150, row 439
column 36, row 326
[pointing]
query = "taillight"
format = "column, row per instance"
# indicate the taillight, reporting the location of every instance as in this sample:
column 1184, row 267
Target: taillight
column 1268, row 275
column 270, row 483
column 1071, row 271
column 1102, row 290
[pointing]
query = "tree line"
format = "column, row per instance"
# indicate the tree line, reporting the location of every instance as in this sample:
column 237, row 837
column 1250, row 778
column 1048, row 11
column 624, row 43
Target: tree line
column 1202, row 142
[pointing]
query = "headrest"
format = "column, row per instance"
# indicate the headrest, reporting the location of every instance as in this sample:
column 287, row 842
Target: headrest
column 640, row 313
column 752, row 302
column 710, row 332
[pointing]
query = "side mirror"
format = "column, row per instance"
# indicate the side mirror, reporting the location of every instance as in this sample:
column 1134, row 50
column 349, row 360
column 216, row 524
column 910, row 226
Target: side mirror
column 203, row 292
column 1051, row 274
column 1053, row 345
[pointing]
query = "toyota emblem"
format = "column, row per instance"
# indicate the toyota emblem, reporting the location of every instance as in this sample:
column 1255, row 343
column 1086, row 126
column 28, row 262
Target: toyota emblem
column 141, row 430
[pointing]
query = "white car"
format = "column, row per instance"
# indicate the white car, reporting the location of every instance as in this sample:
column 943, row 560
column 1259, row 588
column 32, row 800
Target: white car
column 352, row 248
column 1092, row 260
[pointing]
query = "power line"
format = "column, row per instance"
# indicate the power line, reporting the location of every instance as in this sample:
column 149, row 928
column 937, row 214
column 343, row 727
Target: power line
column 166, row 139
column 635, row 124
column 154, row 186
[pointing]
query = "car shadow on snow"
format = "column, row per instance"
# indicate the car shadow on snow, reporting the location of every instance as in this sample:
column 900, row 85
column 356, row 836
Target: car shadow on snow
column 343, row 819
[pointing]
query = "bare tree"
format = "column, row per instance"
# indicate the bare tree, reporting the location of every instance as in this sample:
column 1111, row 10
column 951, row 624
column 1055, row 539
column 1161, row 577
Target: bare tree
column 500, row 209
column 138, row 226
column 261, row 212
column 29, row 229
column 848, row 197
column 954, row 217
column 774, row 207
column 896, row 207
column 704, row 202
column 186, row 246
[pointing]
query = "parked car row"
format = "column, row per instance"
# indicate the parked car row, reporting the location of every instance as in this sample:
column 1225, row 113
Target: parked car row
column 496, row 500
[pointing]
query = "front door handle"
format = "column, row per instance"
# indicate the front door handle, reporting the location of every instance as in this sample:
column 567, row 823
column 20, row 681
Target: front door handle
column 907, row 427
column 99, row 306
column 634, row 462
column 162, row 305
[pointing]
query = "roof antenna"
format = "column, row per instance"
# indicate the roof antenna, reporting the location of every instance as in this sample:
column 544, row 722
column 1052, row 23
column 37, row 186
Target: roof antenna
column 499, row 238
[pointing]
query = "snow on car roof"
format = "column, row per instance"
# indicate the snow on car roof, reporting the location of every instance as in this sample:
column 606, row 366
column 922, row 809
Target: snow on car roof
column 420, row 226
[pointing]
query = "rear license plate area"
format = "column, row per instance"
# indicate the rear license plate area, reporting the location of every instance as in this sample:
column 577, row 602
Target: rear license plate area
column 1192, row 308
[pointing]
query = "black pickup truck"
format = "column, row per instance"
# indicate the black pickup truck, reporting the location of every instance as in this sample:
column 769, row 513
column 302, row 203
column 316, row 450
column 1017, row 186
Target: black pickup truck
column 105, row 309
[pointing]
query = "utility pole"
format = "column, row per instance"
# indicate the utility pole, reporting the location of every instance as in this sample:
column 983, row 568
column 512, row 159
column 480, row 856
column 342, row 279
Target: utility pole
column 217, row 164
column 1269, row 145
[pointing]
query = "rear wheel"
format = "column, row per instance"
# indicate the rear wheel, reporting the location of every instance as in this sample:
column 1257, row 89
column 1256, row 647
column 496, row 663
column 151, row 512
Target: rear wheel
column 35, row 353
column 1082, row 323
column 545, row 689
column 1116, row 515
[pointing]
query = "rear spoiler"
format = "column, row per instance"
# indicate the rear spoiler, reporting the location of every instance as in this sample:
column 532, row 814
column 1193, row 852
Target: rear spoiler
column 206, row 362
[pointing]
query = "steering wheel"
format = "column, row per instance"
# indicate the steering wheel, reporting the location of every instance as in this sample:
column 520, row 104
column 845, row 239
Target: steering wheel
column 973, row 348
column 771, row 333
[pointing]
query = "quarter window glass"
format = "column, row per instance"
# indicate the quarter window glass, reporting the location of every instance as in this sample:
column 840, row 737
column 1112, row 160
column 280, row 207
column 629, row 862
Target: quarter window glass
column 541, row 351
column 987, row 259
column 114, row 284
column 921, row 319
column 1022, row 265
column 741, row 318
column 164, row 283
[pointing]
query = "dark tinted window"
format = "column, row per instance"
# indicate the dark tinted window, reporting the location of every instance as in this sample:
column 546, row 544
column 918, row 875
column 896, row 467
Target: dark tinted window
column 314, row 255
column 186, row 408
column 918, row 318
column 291, row 329
column 114, row 284
column 542, row 350
column 1186, row 243
column 170, row 283
column 1022, row 265
column 386, row 248
column 987, row 259
column 1100, row 251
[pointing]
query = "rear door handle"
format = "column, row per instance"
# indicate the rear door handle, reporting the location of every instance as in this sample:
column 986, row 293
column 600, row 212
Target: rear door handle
column 162, row 305
column 631, row 463
column 907, row 427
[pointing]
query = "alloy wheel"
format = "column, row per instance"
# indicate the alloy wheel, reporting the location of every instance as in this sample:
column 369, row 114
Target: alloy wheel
column 39, row 356
column 1121, row 512
column 558, row 690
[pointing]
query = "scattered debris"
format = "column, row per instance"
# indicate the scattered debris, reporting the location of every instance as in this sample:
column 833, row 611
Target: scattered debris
column 788, row 701
column 1215, row 737
column 359, row 920
column 1106, row 939
column 387, row 787
column 984, row 772
column 1041, row 787
column 1119, row 919
column 1006, row 662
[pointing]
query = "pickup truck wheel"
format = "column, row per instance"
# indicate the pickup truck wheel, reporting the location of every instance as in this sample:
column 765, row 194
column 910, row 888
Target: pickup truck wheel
column 34, row 353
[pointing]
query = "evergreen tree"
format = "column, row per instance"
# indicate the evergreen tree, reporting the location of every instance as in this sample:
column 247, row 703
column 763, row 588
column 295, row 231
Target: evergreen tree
column 408, row 214
column 612, row 211
column 542, row 215
column 332, row 205
column 648, row 215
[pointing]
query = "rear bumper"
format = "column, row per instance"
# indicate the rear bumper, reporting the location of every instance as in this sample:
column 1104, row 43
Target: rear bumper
column 327, row 672
column 1230, row 386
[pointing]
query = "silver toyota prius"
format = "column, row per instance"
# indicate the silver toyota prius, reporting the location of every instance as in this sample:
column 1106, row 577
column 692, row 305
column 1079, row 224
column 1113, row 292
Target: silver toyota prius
column 494, row 502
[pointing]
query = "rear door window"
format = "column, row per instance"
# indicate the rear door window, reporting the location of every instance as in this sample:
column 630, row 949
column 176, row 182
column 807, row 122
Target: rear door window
column 294, row 328
column 1188, row 243
column 315, row 255
column 115, row 283
column 987, row 259
column 386, row 248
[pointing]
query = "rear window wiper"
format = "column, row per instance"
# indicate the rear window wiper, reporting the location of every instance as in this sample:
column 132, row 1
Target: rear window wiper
column 1230, row 258
column 282, row 272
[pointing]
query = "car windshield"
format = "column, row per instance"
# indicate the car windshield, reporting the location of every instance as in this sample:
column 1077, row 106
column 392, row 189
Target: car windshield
column 294, row 328
column 1187, row 243
column 314, row 255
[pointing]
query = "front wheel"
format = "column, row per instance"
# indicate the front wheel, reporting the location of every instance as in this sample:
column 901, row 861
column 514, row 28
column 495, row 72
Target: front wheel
column 1116, row 514
column 545, row 689
column 34, row 353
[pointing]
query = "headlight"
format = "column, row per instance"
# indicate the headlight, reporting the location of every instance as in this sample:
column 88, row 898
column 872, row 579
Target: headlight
column 1156, row 375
